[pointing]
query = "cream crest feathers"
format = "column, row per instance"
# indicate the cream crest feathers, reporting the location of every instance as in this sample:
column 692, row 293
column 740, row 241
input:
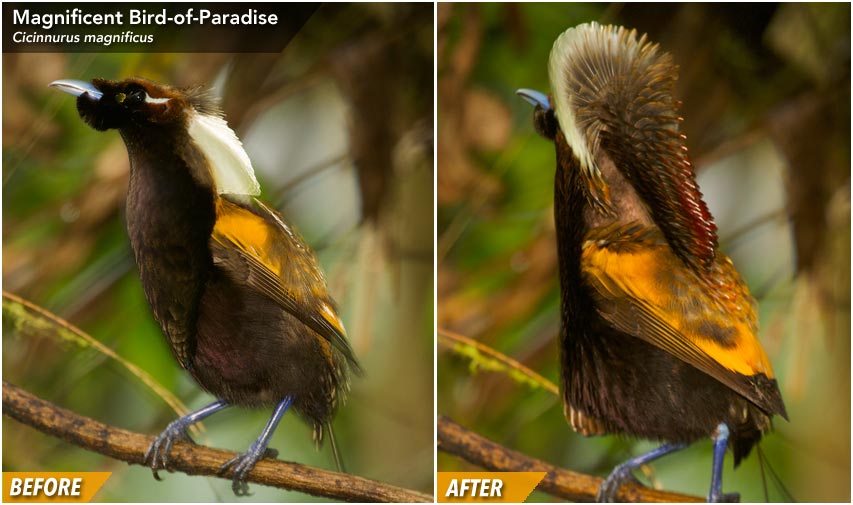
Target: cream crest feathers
column 591, row 65
column 230, row 166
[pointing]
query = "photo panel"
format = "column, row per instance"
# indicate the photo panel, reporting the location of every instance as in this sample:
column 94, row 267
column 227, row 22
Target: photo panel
column 643, row 247
column 218, row 228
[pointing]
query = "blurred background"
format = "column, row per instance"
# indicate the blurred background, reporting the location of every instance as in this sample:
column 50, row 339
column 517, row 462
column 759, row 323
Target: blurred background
column 766, row 92
column 339, row 126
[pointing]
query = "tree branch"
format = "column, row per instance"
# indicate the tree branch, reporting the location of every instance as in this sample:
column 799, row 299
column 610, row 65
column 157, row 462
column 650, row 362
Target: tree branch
column 456, row 440
column 193, row 459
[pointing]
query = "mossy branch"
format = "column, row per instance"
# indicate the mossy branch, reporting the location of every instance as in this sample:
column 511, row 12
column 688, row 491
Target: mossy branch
column 484, row 357
column 456, row 440
column 193, row 459
column 29, row 319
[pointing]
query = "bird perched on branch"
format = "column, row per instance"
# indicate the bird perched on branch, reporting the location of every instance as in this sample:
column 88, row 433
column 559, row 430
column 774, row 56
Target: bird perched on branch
column 658, row 330
column 238, row 294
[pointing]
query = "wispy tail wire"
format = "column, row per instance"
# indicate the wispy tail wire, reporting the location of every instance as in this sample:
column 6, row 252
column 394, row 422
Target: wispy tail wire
column 774, row 476
column 339, row 462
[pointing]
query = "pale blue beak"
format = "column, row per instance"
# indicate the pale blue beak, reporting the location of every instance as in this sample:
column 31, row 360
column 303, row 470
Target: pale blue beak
column 534, row 98
column 77, row 88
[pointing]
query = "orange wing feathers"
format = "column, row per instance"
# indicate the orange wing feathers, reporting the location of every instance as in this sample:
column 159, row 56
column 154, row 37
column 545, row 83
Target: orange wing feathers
column 277, row 263
column 708, row 321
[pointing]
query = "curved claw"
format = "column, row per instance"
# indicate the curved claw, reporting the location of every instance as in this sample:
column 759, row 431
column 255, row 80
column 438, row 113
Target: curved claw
column 609, row 488
column 157, row 455
column 534, row 98
column 243, row 464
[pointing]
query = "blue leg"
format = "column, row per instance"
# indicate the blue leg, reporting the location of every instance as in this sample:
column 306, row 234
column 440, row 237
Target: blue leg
column 244, row 463
column 622, row 473
column 157, row 456
column 721, row 441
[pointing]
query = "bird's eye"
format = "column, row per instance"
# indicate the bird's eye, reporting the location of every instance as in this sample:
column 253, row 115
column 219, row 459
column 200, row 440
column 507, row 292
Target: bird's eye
column 135, row 97
column 132, row 97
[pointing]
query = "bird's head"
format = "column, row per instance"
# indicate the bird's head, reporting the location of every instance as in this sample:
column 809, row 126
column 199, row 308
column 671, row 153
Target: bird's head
column 544, row 120
column 133, row 103
column 157, row 114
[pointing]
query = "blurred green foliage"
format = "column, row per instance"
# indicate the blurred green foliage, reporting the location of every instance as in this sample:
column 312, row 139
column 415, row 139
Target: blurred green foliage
column 768, row 126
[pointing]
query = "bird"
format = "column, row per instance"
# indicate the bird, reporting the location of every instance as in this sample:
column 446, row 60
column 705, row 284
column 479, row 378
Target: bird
column 238, row 294
column 658, row 331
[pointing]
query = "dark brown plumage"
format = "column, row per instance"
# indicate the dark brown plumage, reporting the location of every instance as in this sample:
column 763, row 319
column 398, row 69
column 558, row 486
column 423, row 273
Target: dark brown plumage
column 658, row 334
column 238, row 294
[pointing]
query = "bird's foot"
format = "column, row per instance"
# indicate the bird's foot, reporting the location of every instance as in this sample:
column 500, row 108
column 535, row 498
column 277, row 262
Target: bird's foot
column 243, row 465
column 157, row 455
column 609, row 488
column 724, row 497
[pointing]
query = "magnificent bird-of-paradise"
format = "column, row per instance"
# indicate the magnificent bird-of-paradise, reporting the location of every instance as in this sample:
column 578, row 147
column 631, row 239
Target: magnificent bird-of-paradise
column 658, row 332
column 238, row 294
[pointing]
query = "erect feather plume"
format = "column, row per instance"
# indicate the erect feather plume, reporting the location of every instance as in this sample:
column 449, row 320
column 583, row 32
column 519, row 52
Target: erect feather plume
column 613, row 96
column 230, row 166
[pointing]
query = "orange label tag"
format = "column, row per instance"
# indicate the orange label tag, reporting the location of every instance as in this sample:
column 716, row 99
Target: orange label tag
column 494, row 487
column 37, row 487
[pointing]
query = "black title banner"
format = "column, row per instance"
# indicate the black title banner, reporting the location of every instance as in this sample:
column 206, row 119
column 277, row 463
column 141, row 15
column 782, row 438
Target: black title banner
column 152, row 27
